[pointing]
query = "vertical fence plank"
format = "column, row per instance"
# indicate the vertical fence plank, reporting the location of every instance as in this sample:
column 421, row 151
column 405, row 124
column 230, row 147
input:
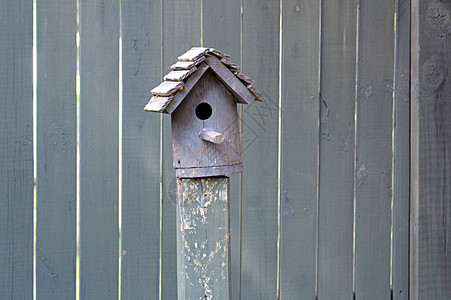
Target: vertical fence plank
column 16, row 154
column 300, row 137
column 140, row 233
column 182, row 30
column 431, row 150
column 99, row 141
column 56, row 150
column 336, row 166
column 374, row 150
column 222, row 26
column 401, row 159
column 260, row 132
column 222, row 30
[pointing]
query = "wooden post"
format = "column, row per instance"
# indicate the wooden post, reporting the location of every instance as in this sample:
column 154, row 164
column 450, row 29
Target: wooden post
column 203, row 238
column 201, row 94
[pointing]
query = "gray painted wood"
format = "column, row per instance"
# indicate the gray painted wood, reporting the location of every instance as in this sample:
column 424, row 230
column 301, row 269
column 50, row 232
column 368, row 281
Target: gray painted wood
column 16, row 151
column 189, row 150
column 414, row 153
column 300, row 138
column 193, row 54
column 179, row 75
column 167, row 88
column 56, row 150
column 401, row 159
column 189, row 84
column 222, row 31
column 374, row 150
column 431, row 149
column 203, row 238
column 99, row 141
column 140, row 232
column 183, row 65
column 181, row 32
column 260, row 140
column 158, row 104
column 213, row 136
column 230, row 81
column 336, row 149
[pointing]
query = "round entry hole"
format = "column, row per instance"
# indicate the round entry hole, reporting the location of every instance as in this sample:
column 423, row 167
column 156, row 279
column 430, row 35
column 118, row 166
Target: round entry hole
column 203, row 111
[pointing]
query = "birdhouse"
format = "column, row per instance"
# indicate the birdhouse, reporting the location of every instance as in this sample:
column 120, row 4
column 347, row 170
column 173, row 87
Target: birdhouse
column 201, row 95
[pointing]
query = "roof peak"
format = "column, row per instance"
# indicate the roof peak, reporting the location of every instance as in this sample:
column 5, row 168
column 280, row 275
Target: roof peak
column 187, row 71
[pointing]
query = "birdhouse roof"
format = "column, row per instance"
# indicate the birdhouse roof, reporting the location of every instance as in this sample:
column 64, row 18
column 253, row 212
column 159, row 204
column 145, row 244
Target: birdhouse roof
column 187, row 71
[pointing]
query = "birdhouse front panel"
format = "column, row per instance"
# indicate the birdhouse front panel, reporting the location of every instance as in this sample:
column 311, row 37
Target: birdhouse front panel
column 205, row 131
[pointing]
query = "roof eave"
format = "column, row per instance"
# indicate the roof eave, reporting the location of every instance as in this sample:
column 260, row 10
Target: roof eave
column 188, row 86
column 230, row 81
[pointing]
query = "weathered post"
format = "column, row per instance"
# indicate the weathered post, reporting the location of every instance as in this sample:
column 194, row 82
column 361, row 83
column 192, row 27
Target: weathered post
column 201, row 93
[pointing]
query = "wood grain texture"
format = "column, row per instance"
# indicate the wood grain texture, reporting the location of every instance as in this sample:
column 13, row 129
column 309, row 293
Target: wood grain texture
column 16, row 151
column 181, row 32
column 336, row 149
column 189, row 150
column 212, row 136
column 189, row 84
column 414, row 149
column 222, row 31
column 260, row 151
column 373, row 182
column 431, row 149
column 167, row 88
column 300, row 138
column 203, row 238
column 56, row 150
column 158, row 104
column 183, row 65
column 140, row 232
column 230, row 81
column 99, row 156
column 401, row 157
column 179, row 75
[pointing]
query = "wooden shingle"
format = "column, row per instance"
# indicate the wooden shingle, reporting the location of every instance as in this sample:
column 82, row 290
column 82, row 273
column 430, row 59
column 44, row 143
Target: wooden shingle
column 193, row 54
column 167, row 88
column 158, row 104
column 179, row 75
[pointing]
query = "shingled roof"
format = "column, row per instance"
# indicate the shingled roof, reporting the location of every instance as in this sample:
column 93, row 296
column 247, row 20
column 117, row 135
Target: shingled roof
column 187, row 72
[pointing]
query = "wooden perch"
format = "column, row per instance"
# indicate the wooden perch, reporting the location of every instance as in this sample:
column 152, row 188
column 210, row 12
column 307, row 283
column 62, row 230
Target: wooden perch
column 211, row 136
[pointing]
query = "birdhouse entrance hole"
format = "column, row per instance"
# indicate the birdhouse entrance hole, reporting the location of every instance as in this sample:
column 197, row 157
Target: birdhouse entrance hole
column 203, row 111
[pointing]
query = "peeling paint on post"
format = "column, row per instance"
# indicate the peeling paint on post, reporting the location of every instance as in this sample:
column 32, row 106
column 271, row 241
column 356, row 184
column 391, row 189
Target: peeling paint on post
column 203, row 238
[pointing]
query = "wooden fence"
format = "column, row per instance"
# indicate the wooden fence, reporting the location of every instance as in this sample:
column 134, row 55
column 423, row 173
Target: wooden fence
column 346, row 184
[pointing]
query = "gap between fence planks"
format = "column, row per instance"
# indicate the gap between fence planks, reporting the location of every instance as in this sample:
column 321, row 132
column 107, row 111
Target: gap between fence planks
column 177, row 38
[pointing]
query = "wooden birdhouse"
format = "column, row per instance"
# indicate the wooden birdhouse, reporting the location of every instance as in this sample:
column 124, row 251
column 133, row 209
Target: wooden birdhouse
column 201, row 95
